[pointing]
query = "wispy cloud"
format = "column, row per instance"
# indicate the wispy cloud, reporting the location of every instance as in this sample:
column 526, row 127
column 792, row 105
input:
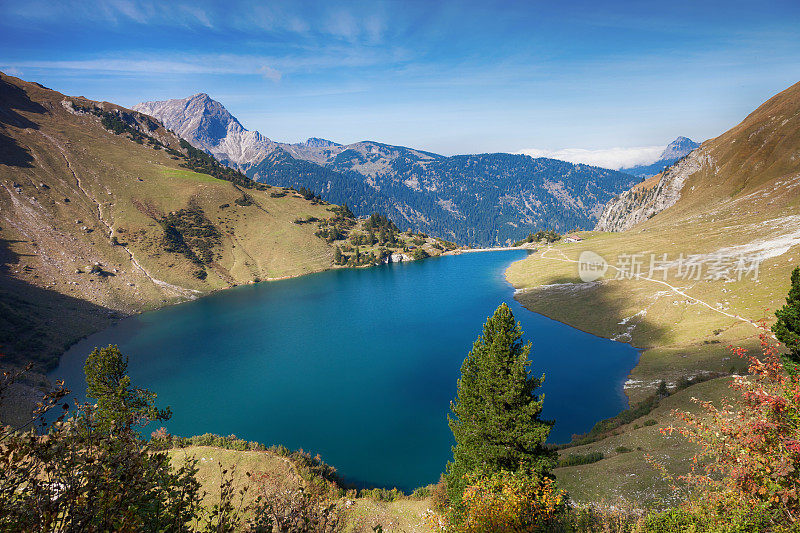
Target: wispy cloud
column 613, row 158
column 115, row 12
column 270, row 73
column 11, row 71
column 267, row 66
column 351, row 23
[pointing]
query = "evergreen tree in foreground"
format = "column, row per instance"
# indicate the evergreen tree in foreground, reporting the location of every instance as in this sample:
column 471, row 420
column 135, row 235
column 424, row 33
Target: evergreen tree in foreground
column 119, row 404
column 495, row 419
column 787, row 327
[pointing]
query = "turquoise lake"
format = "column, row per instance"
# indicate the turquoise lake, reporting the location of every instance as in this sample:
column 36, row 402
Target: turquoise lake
column 356, row 365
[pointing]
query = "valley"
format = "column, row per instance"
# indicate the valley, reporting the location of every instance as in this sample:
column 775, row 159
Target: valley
column 697, row 256
column 109, row 216
column 393, row 340
column 100, row 218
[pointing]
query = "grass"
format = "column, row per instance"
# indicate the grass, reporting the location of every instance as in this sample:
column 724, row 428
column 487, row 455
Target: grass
column 282, row 472
column 98, row 198
column 74, row 190
column 183, row 174
column 365, row 514
column 743, row 198
column 361, row 514
column 677, row 338
column 89, row 186
column 740, row 198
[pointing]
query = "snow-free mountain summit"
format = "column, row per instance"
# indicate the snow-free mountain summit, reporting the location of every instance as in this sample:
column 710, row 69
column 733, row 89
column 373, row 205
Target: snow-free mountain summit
column 676, row 150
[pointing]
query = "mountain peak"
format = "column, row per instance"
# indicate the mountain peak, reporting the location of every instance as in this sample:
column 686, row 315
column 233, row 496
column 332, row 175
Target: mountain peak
column 317, row 142
column 207, row 125
column 679, row 148
column 198, row 118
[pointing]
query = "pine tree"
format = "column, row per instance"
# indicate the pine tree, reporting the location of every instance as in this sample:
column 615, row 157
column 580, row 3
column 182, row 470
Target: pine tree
column 787, row 327
column 119, row 404
column 496, row 415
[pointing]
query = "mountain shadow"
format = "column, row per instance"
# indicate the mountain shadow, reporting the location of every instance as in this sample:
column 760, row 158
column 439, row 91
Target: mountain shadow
column 36, row 324
column 12, row 100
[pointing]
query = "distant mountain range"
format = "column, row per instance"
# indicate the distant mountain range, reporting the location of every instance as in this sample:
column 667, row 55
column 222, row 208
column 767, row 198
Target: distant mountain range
column 480, row 199
column 676, row 150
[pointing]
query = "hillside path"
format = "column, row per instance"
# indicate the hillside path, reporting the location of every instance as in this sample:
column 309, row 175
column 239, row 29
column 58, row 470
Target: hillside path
column 180, row 291
column 564, row 258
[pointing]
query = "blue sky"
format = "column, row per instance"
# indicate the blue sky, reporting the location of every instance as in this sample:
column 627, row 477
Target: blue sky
column 451, row 77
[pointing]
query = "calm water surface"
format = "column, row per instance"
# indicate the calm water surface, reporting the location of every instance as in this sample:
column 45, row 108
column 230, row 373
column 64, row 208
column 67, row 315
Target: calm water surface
column 357, row 365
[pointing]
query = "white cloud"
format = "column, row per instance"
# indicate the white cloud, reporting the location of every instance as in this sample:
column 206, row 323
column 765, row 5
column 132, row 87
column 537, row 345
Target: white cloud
column 342, row 24
column 115, row 12
column 328, row 58
column 613, row 158
column 271, row 74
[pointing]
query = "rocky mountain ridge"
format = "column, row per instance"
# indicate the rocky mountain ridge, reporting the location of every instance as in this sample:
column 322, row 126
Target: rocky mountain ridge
column 209, row 126
column 652, row 196
column 480, row 199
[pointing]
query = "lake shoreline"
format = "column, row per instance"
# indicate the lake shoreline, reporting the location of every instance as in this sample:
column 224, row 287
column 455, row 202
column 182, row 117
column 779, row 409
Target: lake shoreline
column 203, row 294
column 517, row 291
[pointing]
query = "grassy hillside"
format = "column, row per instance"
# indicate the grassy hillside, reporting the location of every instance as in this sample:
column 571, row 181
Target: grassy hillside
column 624, row 475
column 741, row 204
column 83, row 225
column 360, row 514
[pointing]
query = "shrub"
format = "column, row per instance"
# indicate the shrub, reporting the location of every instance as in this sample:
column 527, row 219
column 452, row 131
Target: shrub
column 244, row 200
column 383, row 495
column 421, row 493
column 750, row 451
column 439, row 495
column 296, row 511
column 670, row 521
column 90, row 470
column 419, row 253
column 511, row 501
column 575, row 459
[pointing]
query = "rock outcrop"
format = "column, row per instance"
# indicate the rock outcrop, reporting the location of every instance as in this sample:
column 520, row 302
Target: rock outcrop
column 651, row 196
